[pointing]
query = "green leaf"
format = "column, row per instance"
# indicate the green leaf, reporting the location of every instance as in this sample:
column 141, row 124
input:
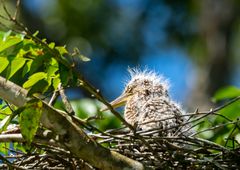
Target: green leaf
column 15, row 65
column 27, row 67
column 40, row 87
column 29, row 119
column 232, row 111
column 33, row 79
column 4, row 148
column 52, row 68
column 51, row 45
column 36, row 64
column 4, row 123
column 36, row 33
column 5, row 111
column 56, row 82
column 65, row 74
column 9, row 41
column 4, row 63
column 226, row 93
column 6, row 35
column 61, row 49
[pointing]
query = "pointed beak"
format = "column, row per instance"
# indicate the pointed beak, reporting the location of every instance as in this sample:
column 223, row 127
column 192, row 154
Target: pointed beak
column 118, row 102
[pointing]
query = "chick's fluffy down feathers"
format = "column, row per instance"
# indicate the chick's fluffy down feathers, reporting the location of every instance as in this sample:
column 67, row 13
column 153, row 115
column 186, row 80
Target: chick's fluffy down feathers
column 150, row 106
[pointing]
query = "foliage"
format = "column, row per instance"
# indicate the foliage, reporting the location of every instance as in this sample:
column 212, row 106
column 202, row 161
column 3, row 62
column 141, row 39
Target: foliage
column 33, row 62
column 225, row 120
column 30, row 118
column 88, row 110
column 32, row 65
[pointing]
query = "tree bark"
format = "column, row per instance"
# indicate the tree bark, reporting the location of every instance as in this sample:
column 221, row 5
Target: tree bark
column 70, row 135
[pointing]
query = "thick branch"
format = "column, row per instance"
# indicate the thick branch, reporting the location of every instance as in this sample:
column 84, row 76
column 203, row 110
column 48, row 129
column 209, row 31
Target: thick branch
column 71, row 136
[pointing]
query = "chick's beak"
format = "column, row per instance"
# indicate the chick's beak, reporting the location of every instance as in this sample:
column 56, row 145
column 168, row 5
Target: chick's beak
column 118, row 102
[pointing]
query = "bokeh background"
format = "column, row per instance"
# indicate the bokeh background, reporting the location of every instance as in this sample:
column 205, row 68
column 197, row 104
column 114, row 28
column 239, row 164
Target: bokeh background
column 194, row 44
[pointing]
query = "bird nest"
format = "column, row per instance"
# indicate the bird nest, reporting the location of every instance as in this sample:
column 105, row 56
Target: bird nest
column 182, row 152
column 150, row 147
column 147, row 147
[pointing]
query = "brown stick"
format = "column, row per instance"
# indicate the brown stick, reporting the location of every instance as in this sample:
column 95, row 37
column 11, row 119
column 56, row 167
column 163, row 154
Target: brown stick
column 71, row 136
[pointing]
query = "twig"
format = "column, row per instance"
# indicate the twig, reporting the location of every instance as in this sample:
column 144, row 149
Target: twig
column 53, row 98
column 212, row 128
column 65, row 100
column 16, row 9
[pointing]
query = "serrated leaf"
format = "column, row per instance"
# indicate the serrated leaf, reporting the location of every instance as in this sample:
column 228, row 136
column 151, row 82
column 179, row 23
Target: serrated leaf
column 33, row 79
column 4, row 63
column 226, row 93
column 29, row 120
column 15, row 65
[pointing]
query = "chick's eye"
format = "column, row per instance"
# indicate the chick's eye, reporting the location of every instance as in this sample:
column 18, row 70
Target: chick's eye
column 129, row 89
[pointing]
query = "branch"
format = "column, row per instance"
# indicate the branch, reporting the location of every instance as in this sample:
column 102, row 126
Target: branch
column 70, row 135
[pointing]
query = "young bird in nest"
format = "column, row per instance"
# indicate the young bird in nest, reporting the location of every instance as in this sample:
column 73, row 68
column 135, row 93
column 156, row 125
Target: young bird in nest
column 148, row 105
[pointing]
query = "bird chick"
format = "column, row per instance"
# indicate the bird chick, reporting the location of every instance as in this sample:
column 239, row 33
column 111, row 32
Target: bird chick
column 148, row 105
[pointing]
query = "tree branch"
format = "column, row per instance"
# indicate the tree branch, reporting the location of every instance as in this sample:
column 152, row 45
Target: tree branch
column 70, row 135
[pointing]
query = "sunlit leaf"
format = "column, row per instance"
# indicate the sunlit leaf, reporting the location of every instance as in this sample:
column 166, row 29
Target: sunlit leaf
column 15, row 65
column 5, row 110
column 9, row 41
column 51, row 45
column 232, row 111
column 36, row 33
column 4, row 148
column 226, row 93
column 56, row 82
column 6, row 35
column 29, row 120
column 33, row 79
column 62, row 50
column 22, row 52
column 52, row 68
column 4, row 123
column 4, row 63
